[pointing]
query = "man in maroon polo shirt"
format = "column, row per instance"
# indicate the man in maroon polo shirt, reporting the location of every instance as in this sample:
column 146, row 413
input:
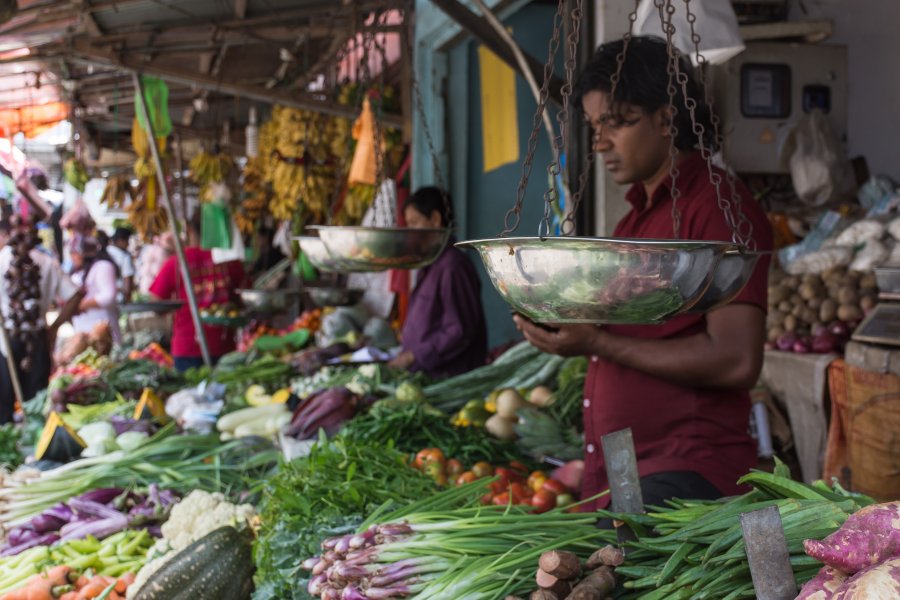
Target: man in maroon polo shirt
column 682, row 386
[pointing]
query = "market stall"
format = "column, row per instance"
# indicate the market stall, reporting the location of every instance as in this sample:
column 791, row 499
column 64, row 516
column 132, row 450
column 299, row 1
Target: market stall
column 306, row 462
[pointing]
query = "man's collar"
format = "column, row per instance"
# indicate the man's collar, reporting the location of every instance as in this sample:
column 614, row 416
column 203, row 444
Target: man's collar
column 688, row 170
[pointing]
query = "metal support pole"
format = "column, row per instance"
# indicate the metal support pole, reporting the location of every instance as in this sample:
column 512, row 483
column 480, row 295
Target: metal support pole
column 11, row 363
column 179, row 249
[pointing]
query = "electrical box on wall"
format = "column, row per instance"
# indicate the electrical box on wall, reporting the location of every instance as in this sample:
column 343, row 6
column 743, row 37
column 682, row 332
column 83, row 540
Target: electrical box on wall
column 762, row 92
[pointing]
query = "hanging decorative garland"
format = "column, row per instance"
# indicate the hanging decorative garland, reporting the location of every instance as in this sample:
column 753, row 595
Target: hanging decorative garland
column 24, row 284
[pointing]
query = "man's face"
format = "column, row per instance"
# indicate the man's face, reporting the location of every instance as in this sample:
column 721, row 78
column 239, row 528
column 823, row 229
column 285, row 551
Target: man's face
column 634, row 144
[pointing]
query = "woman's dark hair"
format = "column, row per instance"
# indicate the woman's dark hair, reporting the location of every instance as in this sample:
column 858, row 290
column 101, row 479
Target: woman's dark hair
column 644, row 82
column 429, row 199
column 92, row 253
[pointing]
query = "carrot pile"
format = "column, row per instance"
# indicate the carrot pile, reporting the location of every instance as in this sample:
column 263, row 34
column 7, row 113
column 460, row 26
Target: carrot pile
column 64, row 583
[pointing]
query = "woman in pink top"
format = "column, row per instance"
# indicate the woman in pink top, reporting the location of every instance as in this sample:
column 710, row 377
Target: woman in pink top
column 97, row 274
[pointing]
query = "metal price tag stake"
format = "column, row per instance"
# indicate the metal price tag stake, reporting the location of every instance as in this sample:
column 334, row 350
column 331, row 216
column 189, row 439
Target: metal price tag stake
column 767, row 553
column 624, row 482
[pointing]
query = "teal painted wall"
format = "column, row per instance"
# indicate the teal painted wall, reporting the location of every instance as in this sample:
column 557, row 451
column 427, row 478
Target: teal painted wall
column 482, row 199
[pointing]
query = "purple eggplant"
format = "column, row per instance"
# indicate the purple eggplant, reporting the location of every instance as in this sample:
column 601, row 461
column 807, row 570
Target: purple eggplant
column 99, row 528
column 61, row 512
column 20, row 535
column 83, row 507
column 101, row 495
column 45, row 523
column 43, row 540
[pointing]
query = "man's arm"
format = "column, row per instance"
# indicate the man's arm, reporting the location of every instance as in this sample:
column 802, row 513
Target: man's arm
column 128, row 289
column 68, row 310
column 728, row 354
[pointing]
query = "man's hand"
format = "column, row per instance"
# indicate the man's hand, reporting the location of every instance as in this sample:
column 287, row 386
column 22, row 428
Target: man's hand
column 404, row 360
column 564, row 340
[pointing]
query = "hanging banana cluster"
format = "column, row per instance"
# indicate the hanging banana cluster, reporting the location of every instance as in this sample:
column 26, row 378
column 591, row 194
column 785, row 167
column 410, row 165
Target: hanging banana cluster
column 256, row 193
column 208, row 168
column 116, row 192
column 145, row 213
column 75, row 174
column 309, row 147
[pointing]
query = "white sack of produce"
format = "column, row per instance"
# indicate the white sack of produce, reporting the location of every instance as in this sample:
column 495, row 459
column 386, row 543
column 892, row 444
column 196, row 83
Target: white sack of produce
column 881, row 582
column 860, row 233
column 894, row 228
column 821, row 260
column 872, row 254
column 869, row 537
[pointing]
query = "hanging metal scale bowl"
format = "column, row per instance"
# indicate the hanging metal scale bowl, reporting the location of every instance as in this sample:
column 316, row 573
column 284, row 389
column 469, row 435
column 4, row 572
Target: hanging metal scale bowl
column 314, row 249
column 731, row 275
column 599, row 280
column 368, row 249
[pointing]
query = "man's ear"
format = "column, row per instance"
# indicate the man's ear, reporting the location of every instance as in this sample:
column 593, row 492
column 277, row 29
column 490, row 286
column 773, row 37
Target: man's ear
column 662, row 118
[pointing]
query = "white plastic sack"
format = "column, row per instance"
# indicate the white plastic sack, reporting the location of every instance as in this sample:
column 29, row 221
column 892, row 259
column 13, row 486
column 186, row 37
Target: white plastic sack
column 716, row 24
column 236, row 252
column 819, row 170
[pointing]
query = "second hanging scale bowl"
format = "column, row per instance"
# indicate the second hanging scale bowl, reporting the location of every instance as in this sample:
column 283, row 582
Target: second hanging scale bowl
column 600, row 280
column 372, row 249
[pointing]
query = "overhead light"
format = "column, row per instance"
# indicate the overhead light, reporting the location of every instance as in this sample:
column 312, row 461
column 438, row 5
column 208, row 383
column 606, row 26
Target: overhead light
column 716, row 24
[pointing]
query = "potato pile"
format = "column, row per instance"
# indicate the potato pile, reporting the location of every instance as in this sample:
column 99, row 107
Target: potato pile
column 807, row 305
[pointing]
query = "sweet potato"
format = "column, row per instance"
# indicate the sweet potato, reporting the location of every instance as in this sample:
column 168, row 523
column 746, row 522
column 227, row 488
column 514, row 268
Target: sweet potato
column 869, row 537
column 879, row 582
column 824, row 585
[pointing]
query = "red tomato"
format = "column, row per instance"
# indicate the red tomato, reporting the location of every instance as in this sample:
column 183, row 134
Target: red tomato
column 505, row 475
column 482, row 469
column 430, row 455
column 555, row 486
column 501, row 499
column 487, row 498
column 543, row 501
column 454, row 467
column 519, row 493
column 499, row 486
column 536, row 480
column 467, row 477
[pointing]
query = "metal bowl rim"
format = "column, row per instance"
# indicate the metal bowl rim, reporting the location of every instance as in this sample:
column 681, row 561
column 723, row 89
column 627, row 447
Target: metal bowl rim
column 269, row 292
column 378, row 229
column 673, row 244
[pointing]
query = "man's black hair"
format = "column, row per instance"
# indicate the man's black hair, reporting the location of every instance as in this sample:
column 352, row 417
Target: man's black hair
column 428, row 199
column 121, row 234
column 644, row 82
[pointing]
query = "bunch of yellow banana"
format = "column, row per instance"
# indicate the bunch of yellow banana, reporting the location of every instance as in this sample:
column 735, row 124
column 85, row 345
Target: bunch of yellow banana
column 117, row 188
column 208, row 168
column 146, row 214
column 75, row 174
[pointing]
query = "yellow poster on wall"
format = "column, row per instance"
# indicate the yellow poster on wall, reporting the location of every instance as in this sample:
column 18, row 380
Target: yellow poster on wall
column 499, row 117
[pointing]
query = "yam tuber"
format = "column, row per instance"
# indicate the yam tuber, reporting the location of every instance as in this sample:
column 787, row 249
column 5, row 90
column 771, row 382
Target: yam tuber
column 560, row 564
column 868, row 537
column 823, row 585
column 879, row 581
column 608, row 556
column 596, row 586
column 559, row 587
column 543, row 595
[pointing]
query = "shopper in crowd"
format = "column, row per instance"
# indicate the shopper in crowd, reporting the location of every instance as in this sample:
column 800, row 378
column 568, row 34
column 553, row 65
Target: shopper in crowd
column 95, row 271
column 118, row 252
column 682, row 386
column 445, row 331
column 214, row 284
column 151, row 260
column 31, row 339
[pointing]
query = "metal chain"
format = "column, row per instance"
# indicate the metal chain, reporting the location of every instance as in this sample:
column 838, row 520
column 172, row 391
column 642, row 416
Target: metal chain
column 426, row 130
column 665, row 15
column 728, row 209
column 570, row 223
column 562, row 117
column 514, row 215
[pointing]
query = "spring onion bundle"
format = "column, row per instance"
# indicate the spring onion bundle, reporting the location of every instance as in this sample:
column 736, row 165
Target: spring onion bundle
column 430, row 550
column 181, row 463
column 695, row 549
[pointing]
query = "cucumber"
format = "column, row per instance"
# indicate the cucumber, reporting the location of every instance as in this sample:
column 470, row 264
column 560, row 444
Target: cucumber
column 218, row 566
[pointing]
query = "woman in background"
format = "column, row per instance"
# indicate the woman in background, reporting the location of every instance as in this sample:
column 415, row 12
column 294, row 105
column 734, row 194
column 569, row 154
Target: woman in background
column 445, row 332
column 97, row 274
